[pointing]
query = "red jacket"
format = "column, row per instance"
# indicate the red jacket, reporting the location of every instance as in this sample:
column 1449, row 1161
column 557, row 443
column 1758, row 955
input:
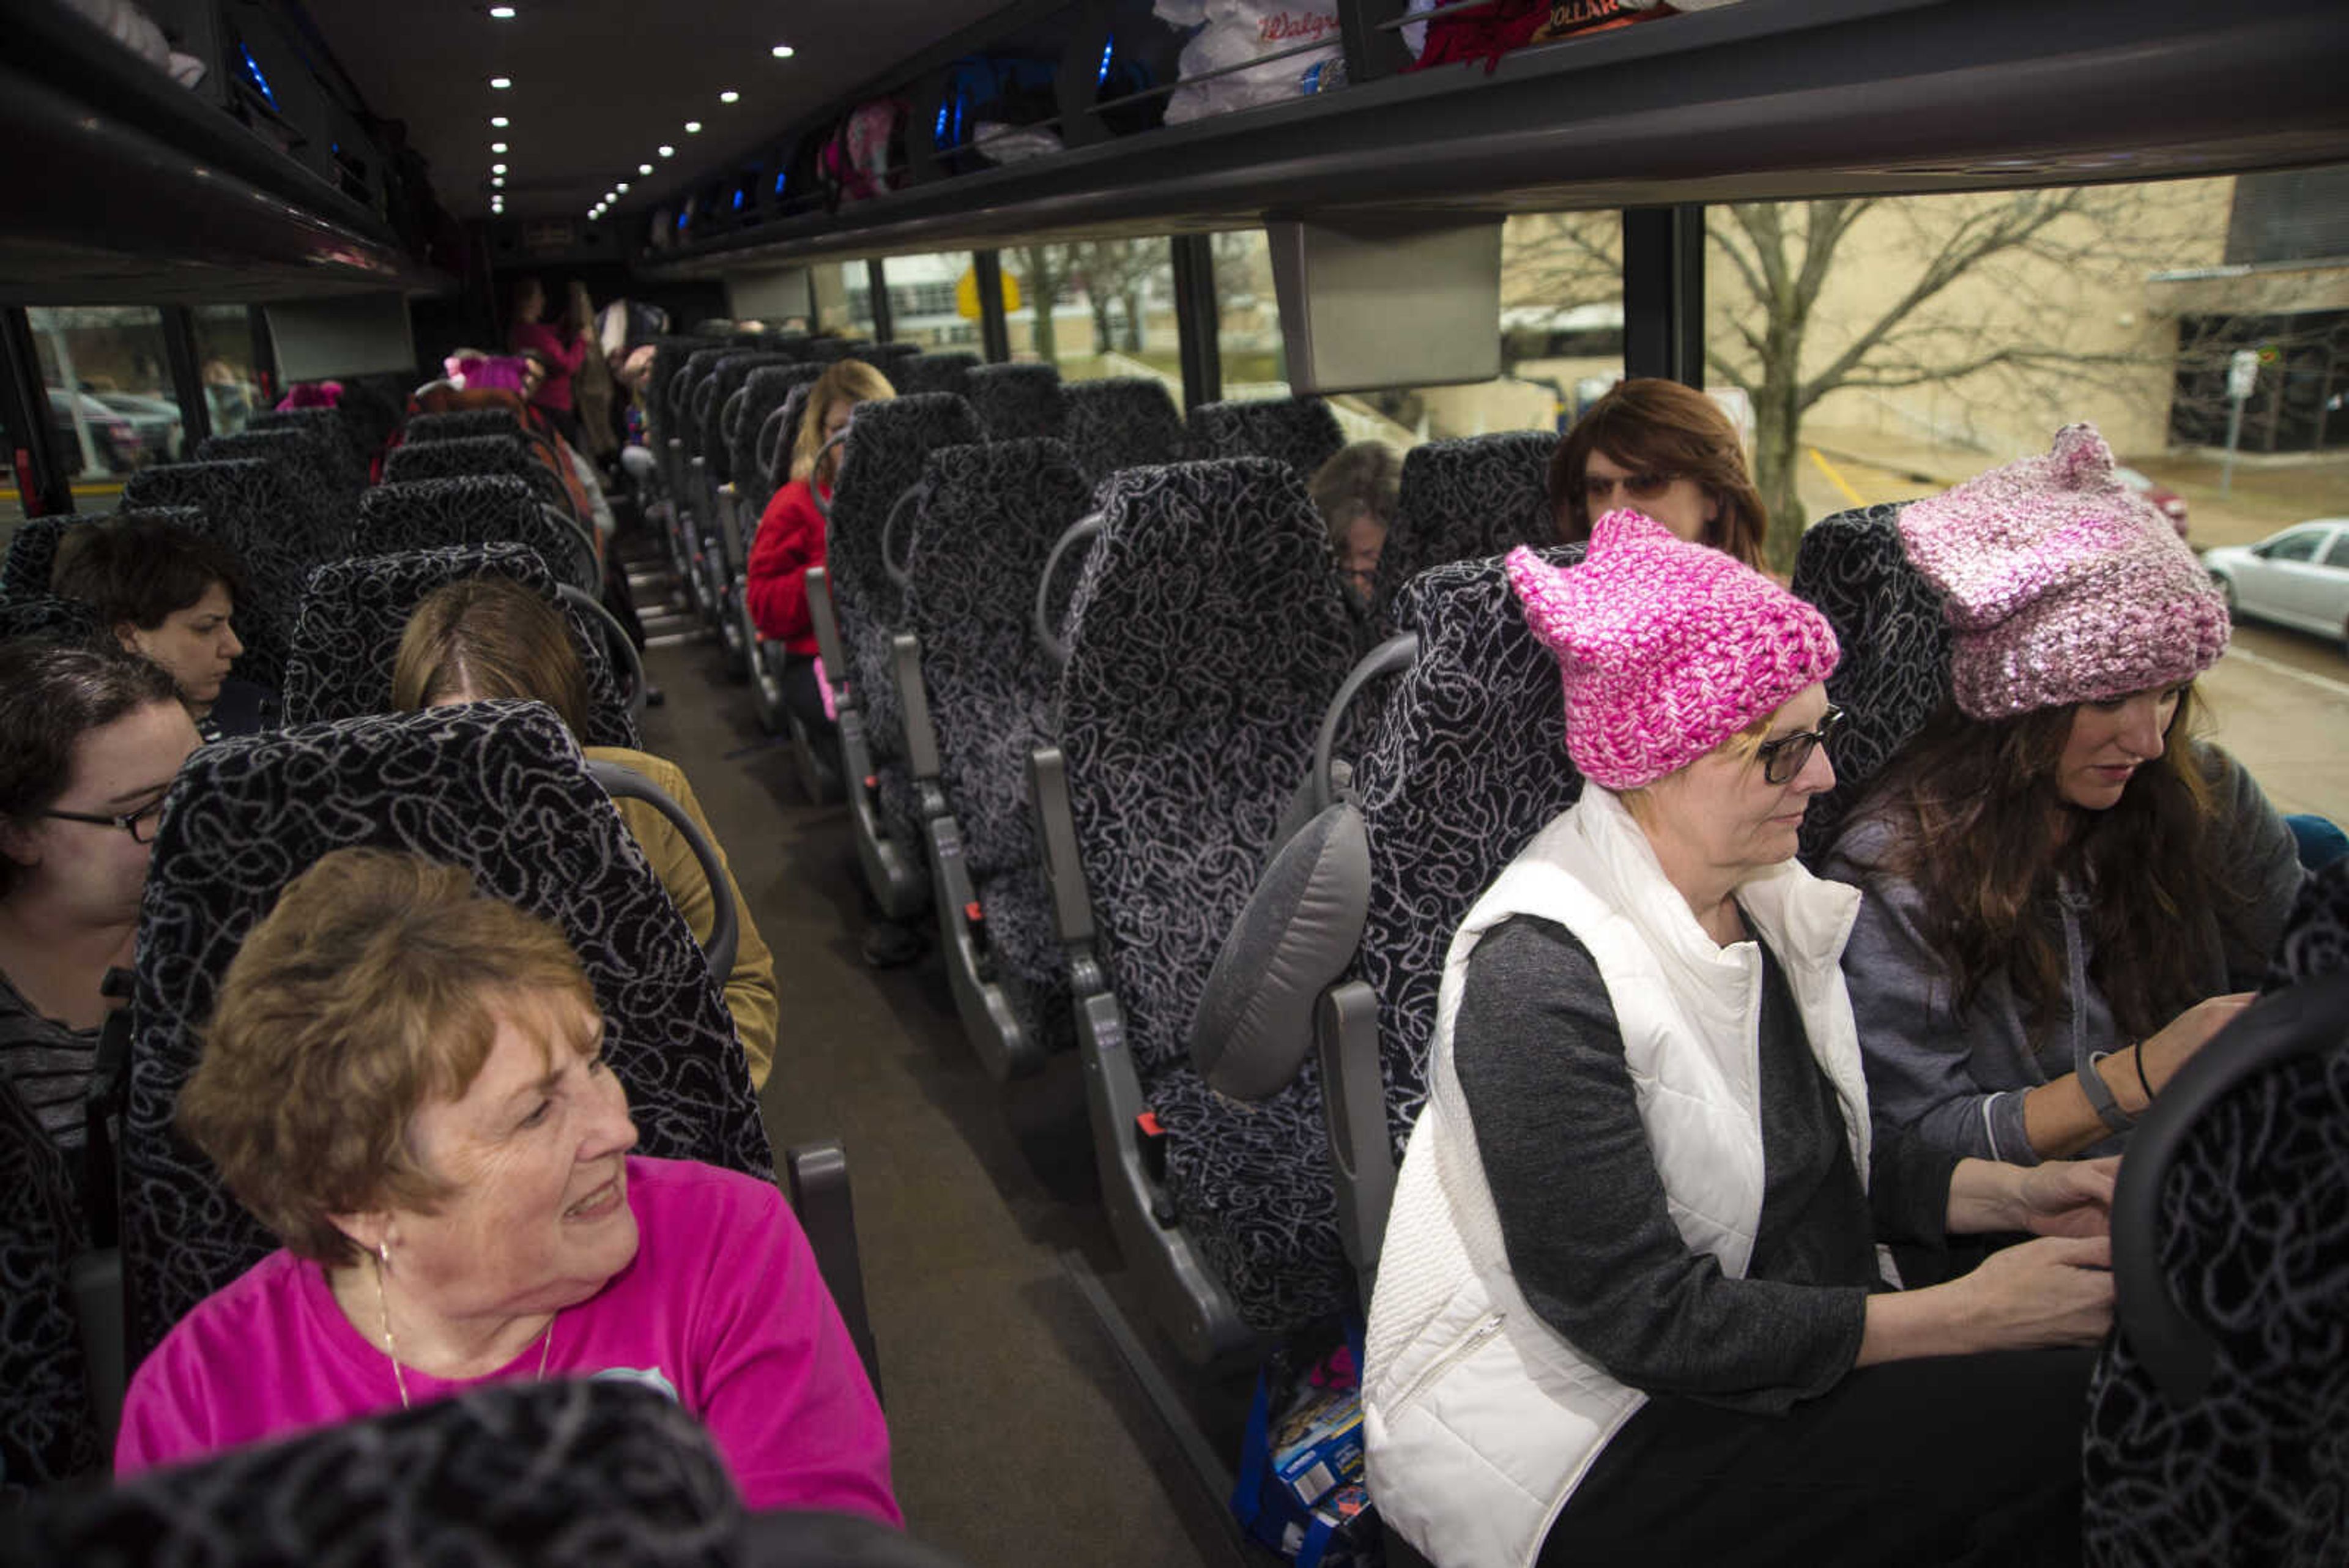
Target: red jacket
column 564, row 354
column 791, row 540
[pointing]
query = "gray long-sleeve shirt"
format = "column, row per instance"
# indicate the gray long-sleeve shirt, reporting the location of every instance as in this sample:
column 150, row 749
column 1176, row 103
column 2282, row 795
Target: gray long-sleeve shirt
column 1582, row 1208
column 1957, row 1081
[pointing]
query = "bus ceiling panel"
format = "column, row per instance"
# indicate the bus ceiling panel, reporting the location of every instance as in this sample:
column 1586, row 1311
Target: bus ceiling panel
column 1770, row 99
column 101, row 209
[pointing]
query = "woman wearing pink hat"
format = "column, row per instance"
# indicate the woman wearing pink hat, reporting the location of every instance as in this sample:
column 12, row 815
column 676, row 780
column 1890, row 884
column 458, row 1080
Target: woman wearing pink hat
column 1631, row 1305
column 2067, row 894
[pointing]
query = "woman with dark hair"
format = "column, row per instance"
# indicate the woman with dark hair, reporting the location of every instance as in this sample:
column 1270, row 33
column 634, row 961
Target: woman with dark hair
column 489, row 637
column 1666, row 451
column 562, row 349
column 170, row 594
column 91, row 740
column 2068, row 891
column 1357, row 492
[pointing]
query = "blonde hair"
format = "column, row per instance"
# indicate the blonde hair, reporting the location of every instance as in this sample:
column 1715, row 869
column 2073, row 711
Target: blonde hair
column 844, row 380
column 377, row 984
column 490, row 636
column 1744, row 745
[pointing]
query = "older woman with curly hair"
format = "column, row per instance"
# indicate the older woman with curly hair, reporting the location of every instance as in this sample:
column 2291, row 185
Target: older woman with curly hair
column 404, row 1080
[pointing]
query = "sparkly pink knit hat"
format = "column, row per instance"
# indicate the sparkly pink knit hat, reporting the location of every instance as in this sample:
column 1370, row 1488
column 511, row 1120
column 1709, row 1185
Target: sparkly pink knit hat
column 2062, row 584
column 1667, row 649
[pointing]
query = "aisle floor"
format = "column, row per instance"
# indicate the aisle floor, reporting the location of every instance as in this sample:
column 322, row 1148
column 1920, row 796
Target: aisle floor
column 1017, row 1436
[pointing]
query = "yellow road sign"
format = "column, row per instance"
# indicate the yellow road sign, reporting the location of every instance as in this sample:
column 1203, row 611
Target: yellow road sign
column 966, row 295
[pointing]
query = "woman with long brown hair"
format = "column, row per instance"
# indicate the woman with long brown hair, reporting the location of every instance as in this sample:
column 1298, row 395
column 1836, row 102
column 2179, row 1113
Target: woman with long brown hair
column 1665, row 451
column 2068, row 891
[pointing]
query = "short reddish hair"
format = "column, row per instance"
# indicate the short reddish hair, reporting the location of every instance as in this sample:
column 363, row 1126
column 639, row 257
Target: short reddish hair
column 1654, row 426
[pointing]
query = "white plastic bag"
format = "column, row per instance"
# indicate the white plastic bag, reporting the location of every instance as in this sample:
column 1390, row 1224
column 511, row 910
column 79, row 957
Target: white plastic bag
column 1235, row 31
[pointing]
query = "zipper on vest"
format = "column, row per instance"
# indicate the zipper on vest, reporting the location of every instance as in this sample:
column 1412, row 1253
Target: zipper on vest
column 1460, row 1350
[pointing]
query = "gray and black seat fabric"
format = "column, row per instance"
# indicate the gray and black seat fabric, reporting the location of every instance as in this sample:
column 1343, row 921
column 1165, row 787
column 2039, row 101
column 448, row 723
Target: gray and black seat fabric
column 1015, row 402
column 1206, row 637
column 2218, row 1425
column 459, row 424
column 1894, row 675
column 1465, row 763
column 48, row 1432
column 32, row 555
column 354, row 612
column 764, row 392
column 464, row 457
column 497, row 787
column 310, row 478
column 943, row 372
column 1299, row 431
column 827, row 350
column 48, row 616
column 1126, row 421
column 894, row 440
column 347, row 450
column 244, row 504
column 990, row 515
column 579, row 1472
column 1463, row 500
column 890, row 358
column 731, row 372
column 475, row 509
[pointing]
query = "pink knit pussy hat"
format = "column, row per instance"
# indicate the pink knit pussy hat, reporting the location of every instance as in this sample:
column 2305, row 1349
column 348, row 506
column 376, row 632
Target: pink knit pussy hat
column 2062, row 584
column 1667, row 649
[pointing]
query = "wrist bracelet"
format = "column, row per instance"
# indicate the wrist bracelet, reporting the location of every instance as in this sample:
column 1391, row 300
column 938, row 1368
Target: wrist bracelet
column 2136, row 1055
column 2101, row 1098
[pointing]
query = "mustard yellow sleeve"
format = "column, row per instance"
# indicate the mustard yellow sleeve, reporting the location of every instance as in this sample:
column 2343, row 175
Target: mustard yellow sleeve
column 751, row 993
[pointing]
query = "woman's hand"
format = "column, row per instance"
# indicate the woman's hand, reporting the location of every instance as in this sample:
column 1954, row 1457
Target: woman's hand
column 2055, row 1291
column 2067, row 1196
column 2163, row 1054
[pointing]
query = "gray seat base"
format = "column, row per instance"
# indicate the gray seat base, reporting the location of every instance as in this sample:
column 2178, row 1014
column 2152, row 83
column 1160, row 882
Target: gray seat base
column 1001, row 1042
column 898, row 881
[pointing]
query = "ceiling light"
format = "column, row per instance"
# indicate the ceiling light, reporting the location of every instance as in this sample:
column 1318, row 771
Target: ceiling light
column 729, row 96
column 665, row 152
column 622, row 187
column 783, row 51
column 644, row 168
column 501, row 83
column 497, row 168
column 499, row 122
column 502, row 13
column 693, row 127
column 500, row 182
column 497, row 147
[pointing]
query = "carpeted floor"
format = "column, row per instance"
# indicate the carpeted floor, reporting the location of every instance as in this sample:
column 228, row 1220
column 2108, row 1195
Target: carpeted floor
column 1018, row 1436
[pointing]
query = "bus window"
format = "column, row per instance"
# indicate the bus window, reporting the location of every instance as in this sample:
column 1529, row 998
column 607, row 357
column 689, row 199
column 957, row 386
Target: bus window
column 232, row 393
column 1248, row 316
column 111, row 405
column 1097, row 309
column 844, row 298
column 927, row 298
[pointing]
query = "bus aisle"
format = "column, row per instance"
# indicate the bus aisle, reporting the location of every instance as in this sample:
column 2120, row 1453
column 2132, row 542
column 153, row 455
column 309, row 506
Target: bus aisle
column 1017, row 1436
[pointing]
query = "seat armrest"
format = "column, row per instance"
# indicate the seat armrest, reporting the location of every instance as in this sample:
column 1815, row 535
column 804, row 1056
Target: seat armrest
column 921, row 735
column 828, row 644
column 1354, row 1099
column 1056, row 832
column 816, row 1176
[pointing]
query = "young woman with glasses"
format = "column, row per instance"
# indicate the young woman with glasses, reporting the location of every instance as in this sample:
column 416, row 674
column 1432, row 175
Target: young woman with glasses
column 1666, row 451
column 89, row 743
column 1631, row 1307
column 2067, row 891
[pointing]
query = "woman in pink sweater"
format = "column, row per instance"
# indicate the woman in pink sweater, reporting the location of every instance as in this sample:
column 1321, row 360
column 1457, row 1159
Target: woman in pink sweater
column 562, row 347
column 404, row 1080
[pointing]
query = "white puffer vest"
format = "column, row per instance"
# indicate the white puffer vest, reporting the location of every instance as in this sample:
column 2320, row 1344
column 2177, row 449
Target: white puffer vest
column 1479, row 1418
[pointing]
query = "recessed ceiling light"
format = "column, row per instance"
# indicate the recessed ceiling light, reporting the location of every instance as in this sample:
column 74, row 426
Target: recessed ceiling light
column 729, row 96
column 502, row 13
column 622, row 187
column 644, row 168
column 501, row 83
column 499, row 122
column 668, row 151
column 497, row 168
column 784, row 51
column 497, row 147
column 500, row 182
column 693, row 127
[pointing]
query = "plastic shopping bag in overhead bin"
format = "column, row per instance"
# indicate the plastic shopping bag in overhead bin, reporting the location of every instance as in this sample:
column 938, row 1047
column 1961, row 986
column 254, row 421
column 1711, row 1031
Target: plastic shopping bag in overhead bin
column 1233, row 32
column 1488, row 34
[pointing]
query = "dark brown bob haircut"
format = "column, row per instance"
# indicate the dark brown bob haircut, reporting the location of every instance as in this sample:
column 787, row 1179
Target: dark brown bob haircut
column 51, row 695
column 1649, row 425
column 141, row 570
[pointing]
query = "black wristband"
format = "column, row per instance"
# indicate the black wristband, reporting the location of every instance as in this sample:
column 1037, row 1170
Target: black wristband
column 2136, row 1055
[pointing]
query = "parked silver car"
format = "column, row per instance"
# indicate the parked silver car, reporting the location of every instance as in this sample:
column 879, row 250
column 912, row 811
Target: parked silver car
column 2299, row 578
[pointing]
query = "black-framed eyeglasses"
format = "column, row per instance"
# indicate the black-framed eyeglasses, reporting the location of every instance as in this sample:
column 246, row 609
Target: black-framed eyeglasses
column 1786, row 756
column 140, row 824
column 1638, row 486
